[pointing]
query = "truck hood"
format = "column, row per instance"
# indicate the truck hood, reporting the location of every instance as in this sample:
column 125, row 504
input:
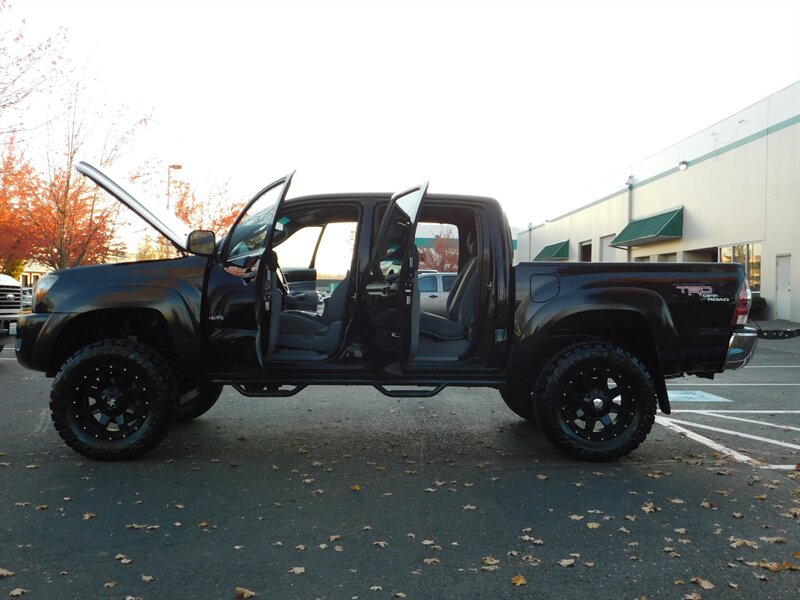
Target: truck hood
column 163, row 221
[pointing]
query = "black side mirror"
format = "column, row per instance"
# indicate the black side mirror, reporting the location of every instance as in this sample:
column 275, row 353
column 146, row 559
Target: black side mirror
column 202, row 242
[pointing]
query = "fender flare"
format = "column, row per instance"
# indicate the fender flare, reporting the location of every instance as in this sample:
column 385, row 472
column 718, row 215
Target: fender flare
column 182, row 323
column 535, row 322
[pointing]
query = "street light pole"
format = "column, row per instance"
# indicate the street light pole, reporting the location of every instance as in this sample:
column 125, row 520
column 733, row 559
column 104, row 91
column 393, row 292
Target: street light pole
column 169, row 172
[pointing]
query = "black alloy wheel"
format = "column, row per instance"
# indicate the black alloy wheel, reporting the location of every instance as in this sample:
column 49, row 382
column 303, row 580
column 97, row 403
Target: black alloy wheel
column 597, row 402
column 113, row 400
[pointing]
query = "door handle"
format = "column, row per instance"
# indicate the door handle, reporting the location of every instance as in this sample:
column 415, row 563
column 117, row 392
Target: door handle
column 433, row 296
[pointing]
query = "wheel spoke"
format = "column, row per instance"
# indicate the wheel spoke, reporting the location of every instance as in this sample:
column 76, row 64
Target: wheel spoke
column 590, row 423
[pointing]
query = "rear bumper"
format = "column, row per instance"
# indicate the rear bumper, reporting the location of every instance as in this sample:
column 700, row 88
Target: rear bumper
column 741, row 347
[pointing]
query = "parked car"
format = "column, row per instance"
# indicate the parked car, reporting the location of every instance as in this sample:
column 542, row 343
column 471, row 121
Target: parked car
column 27, row 297
column 583, row 349
column 434, row 289
column 10, row 308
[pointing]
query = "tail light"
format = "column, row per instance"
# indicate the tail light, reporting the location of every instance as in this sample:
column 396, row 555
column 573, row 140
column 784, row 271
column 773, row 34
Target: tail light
column 743, row 302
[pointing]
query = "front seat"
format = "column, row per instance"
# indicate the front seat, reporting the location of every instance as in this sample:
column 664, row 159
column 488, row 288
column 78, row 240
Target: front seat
column 461, row 303
column 302, row 330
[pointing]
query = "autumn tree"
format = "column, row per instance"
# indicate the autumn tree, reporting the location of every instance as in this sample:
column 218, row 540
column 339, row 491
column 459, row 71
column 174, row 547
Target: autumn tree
column 72, row 221
column 25, row 67
column 442, row 255
column 19, row 185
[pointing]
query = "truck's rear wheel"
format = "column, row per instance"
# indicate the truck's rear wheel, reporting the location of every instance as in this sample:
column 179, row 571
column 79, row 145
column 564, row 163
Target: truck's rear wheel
column 113, row 400
column 519, row 398
column 596, row 402
column 198, row 400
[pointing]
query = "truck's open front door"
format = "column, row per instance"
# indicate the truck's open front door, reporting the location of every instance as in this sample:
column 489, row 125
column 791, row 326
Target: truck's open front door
column 391, row 291
column 249, row 245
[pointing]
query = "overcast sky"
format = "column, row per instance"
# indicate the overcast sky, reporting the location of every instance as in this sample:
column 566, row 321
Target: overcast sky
column 526, row 102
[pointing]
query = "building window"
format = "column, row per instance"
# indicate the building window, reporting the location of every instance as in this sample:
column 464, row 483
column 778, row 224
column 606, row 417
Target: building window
column 747, row 255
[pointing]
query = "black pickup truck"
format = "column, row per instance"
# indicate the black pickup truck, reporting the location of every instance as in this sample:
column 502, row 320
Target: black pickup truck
column 324, row 290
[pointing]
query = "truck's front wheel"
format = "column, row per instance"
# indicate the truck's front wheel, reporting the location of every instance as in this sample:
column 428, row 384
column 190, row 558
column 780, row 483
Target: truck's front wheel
column 596, row 402
column 113, row 400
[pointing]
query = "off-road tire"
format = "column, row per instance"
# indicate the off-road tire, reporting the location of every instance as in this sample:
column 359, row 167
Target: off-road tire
column 200, row 400
column 114, row 399
column 519, row 399
column 595, row 384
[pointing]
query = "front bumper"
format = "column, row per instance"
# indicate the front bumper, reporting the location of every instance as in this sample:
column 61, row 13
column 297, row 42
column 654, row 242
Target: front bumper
column 8, row 328
column 29, row 349
column 741, row 347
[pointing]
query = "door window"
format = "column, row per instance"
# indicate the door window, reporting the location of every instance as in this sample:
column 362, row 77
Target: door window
column 427, row 283
column 447, row 282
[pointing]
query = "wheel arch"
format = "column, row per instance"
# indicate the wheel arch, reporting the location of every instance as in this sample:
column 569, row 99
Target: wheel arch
column 156, row 317
column 642, row 326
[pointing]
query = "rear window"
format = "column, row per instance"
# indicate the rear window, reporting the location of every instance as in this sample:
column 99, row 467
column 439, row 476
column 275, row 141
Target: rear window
column 447, row 282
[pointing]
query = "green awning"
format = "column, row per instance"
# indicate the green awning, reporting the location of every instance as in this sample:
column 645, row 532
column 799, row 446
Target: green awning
column 664, row 226
column 557, row 251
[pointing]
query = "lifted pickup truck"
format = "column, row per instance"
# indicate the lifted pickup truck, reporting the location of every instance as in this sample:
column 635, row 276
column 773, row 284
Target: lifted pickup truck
column 583, row 348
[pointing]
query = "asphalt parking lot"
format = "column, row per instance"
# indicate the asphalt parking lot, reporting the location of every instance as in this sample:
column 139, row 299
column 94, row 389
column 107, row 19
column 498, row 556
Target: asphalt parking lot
column 343, row 493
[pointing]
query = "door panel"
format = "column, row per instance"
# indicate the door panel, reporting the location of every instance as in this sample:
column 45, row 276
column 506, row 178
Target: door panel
column 390, row 286
column 430, row 297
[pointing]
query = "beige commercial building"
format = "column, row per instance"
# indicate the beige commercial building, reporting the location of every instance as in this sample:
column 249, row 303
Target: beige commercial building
column 728, row 193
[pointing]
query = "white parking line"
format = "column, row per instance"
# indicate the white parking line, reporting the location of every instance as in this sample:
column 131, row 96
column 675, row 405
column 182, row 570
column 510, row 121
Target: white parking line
column 757, row 438
column 748, row 412
column 712, row 413
column 738, row 456
column 729, row 452
column 700, row 384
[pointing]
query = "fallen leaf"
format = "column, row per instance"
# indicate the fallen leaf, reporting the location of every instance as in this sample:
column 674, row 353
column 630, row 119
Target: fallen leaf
column 576, row 517
column 593, row 525
column 566, row 562
column 739, row 542
column 623, row 530
column 41, row 507
column 355, row 487
column 375, row 588
column 675, row 501
column 707, row 504
column 518, row 580
column 6, row 573
column 773, row 540
column 380, row 544
column 703, row 583
column 490, row 560
column 733, row 585
column 109, row 584
column 89, row 515
column 147, row 578
column 469, row 507
column 691, row 596
column 244, row 593
column 398, row 595
column 431, row 561
column 296, row 570
column 760, row 497
column 542, row 477
column 650, row 507
column 17, row 592
column 737, row 515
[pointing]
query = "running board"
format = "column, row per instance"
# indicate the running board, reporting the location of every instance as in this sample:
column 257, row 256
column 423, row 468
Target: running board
column 412, row 392
column 256, row 389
